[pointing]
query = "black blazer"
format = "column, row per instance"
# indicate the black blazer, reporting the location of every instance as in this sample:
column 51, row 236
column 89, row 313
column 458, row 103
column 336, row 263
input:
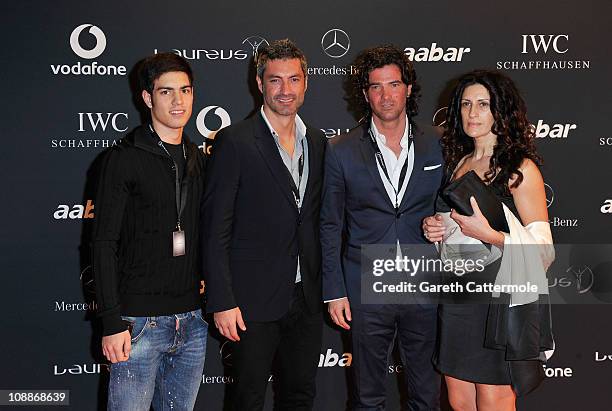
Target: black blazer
column 253, row 231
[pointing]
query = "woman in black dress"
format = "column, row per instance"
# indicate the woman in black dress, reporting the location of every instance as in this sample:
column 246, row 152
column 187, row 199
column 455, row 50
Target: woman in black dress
column 486, row 131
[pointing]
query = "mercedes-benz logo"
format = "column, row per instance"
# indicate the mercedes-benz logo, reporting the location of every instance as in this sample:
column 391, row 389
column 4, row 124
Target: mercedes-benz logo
column 439, row 117
column 550, row 195
column 225, row 350
column 335, row 43
column 584, row 277
column 255, row 42
column 87, row 279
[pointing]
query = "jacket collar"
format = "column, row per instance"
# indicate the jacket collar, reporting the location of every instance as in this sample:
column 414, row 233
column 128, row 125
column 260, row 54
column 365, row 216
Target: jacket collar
column 142, row 137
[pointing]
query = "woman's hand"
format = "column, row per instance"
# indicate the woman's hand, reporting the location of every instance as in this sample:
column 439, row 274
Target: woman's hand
column 477, row 226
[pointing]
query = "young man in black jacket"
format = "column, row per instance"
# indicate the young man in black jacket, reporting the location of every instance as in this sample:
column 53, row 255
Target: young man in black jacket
column 145, row 250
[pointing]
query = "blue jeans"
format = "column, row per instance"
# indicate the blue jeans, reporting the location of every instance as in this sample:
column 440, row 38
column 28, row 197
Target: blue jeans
column 165, row 366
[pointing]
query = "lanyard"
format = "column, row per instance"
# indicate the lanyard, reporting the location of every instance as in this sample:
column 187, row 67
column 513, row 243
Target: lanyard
column 180, row 186
column 381, row 162
column 295, row 189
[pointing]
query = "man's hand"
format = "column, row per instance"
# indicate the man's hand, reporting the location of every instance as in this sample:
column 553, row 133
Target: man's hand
column 433, row 228
column 339, row 310
column 117, row 347
column 226, row 322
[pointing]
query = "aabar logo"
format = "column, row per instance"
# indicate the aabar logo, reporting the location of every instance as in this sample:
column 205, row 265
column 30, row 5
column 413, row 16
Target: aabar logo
column 331, row 359
column 75, row 212
column 97, row 50
column 435, row 53
column 543, row 130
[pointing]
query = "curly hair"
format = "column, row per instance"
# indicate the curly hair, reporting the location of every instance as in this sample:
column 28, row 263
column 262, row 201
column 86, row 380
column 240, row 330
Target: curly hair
column 377, row 57
column 515, row 135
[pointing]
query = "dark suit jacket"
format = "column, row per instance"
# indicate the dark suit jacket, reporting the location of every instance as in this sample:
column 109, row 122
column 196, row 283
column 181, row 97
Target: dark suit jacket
column 356, row 209
column 253, row 232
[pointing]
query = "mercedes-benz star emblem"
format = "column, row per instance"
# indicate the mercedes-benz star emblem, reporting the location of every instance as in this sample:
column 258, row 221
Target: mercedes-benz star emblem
column 255, row 42
column 439, row 117
column 550, row 195
column 335, row 43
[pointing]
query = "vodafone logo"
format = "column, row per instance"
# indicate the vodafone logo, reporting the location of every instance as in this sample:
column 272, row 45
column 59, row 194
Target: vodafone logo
column 79, row 50
column 88, row 68
column 201, row 121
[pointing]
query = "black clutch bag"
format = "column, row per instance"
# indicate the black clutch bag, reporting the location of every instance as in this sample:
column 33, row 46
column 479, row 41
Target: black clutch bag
column 457, row 194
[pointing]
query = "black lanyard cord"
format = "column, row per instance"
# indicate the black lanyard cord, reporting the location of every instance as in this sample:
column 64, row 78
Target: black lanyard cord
column 295, row 189
column 180, row 185
column 381, row 162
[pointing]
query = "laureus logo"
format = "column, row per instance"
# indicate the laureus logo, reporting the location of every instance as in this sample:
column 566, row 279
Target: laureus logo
column 97, row 50
column 584, row 277
column 255, row 42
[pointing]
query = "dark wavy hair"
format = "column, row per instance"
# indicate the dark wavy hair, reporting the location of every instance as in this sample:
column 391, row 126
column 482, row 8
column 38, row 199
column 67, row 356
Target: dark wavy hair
column 377, row 57
column 515, row 135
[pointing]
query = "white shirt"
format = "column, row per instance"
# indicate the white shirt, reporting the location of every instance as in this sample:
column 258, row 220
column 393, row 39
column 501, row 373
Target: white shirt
column 394, row 164
column 291, row 162
column 394, row 168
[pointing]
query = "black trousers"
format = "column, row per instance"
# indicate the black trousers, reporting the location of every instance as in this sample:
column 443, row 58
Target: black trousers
column 295, row 341
column 372, row 336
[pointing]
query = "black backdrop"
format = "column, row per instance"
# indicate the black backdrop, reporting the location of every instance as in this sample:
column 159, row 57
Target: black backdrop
column 56, row 122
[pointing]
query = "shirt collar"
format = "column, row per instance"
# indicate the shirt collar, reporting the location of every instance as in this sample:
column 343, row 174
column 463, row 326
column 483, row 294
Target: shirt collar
column 300, row 127
column 383, row 139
